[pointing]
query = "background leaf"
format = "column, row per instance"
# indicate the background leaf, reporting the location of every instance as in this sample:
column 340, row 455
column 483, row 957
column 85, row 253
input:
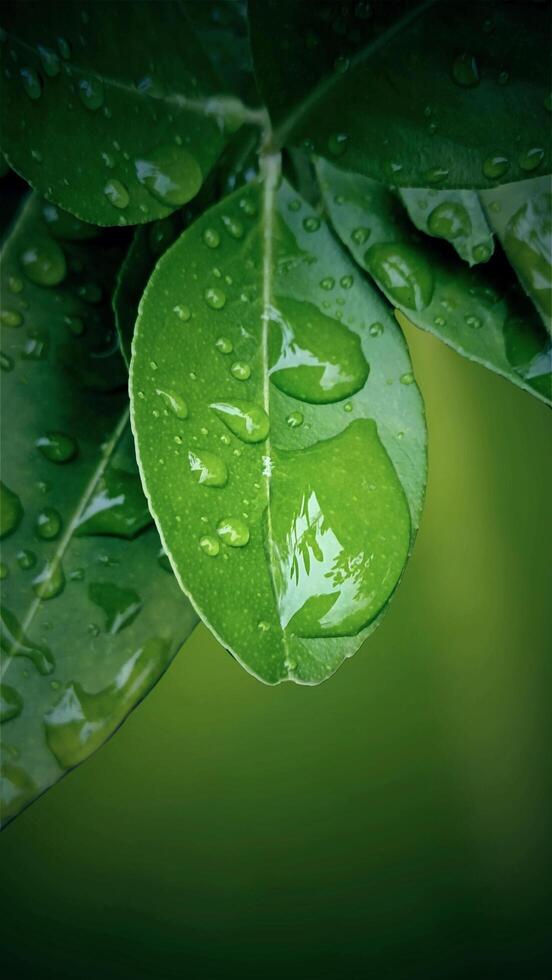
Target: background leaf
column 431, row 93
column 217, row 436
column 89, row 619
column 479, row 312
column 107, row 109
column 455, row 216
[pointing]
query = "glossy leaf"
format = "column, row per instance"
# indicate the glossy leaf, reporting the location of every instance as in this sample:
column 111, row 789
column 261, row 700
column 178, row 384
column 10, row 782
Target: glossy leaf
column 279, row 432
column 480, row 312
column 89, row 619
column 430, row 93
column 521, row 215
column 108, row 108
column 455, row 216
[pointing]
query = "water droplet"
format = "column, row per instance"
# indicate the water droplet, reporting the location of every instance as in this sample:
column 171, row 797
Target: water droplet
column 35, row 347
column 26, row 559
column 313, row 357
column 91, row 92
column 64, row 48
column 233, row 531
column 247, row 421
column 531, row 159
column 234, row 227
column 294, row 204
column 376, row 329
column 120, row 606
column 241, row 370
column 211, row 237
column 6, row 362
column 174, row 402
column 50, row 581
column 439, row 321
column 116, row 193
column 57, row 447
column 171, row 174
column 11, row 703
column 311, row 224
column 465, row 71
column 183, row 312
column 15, row 284
column 215, row 298
column 224, row 345
column 346, row 282
column 75, row 324
column 48, row 523
column 403, row 272
column 15, row 644
column 360, row 235
column 209, row 545
column 436, row 175
column 503, row 77
column 263, row 626
column 294, row 420
column 473, row 321
column 49, row 61
column 116, row 508
column 495, row 167
column 527, row 244
column 207, row 469
column 11, row 318
column 337, row 144
column 407, row 378
column 43, row 262
column 31, row 83
column 11, row 511
column 327, row 283
column 481, row 252
column 449, row 220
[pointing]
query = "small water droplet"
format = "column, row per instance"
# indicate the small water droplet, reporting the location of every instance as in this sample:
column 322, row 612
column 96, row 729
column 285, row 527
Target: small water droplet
column 403, row 272
column 171, row 174
column 75, row 324
column 465, row 71
column 311, row 223
column 481, row 252
column 294, row 204
column 207, row 469
column 376, row 329
column 49, row 61
column 531, row 159
column 360, row 235
column 215, row 298
column 294, row 420
column 31, row 83
column 346, row 282
column 64, row 48
column 449, row 220
column 91, row 92
column 473, row 321
column 209, row 545
column 234, row 227
column 327, row 283
column 26, row 559
column 263, row 626
column 50, row 582
column 233, row 531
column 495, row 167
column 57, row 447
column 174, row 402
column 15, row 284
column 11, row 511
column 211, row 237
column 247, row 421
column 439, row 321
column 43, row 262
column 6, row 362
column 116, row 193
column 407, row 378
column 337, row 144
column 436, row 175
column 503, row 77
column 241, row 370
column 11, row 318
column 224, row 345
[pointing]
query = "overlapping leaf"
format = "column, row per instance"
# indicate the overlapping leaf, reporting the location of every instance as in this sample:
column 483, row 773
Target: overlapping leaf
column 280, row 435
column 89, row 618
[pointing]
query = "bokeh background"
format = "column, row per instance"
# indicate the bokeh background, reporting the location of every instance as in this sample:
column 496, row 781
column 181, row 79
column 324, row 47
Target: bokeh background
column 393, row 823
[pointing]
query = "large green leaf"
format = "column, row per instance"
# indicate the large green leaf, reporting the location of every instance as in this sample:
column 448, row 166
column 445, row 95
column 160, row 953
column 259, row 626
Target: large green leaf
column 481, row 312
column 521, row 215
column 89, row 618
column 455, row 216
column 108, row 108
column 279, row 432
column 440, row 93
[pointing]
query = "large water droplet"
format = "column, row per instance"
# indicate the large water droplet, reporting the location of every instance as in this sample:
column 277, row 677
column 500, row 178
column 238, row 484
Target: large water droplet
column 241, row 370
column 11, row 511
column 465, row 71
column 403, row 273
column 58, row 447
column 14, row 643
column 50, row 582
column 174, row 402
column 233, row 531
column 91, row 92
column 208, row 469
column 531, row 159
column 116, row 193
column 48, row 523
column 449, row 220
column 120, row 606
column 337, row 566
column 249, row 422
column 11, row 703
column 171, row 174
column 528, row 243
column 215, row 297
column 117, row 507
column 43, row 262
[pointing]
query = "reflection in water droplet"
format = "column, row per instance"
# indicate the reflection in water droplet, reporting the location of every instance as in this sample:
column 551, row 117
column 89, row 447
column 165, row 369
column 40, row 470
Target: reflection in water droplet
column 495, row 167
column 211, row 237
column 50, row 61
column 50, row 582
column 335, row 566
column 531, row 159
column 249, row 422
column 117, row 507
column 465, row 71
column 241, row 370
column 376, row 329
column 481, row 253
column 233, row 531
column 14, row 643
column 337, row 144
column 64, row 48
column 31, row 83
column 91, row 92
column 171, row 174
column 117, row 193
column 120, row 606
column 48, row 523
column 11, row 318
column 294, row 420
column 360, row 235
column 224, row 345
column 26, row 559
column 80, row 721
column 215, row 298
column 449, row 220
column 43, row 262
column 209, row 545
column 327, row 283
column 233, row 226
column 528, row 244
column 11, row 511
column 403, row 272
column 473, row 321
column 311, row 224
column 11, row 703
column 407, row 379
column 57, row 447
column 6, row 362
column 208, row 469
column 16, row 789
column 174, row 402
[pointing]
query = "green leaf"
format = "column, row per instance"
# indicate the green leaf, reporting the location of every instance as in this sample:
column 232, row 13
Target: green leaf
column 479, row 312
column 430, row 93
column 89, row 619
column 279, row 433
column 521, row 215
column 108, row 108
column 455, row 216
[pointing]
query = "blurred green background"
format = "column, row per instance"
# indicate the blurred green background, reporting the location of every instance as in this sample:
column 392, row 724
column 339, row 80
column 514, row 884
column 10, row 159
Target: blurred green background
column 392, row 823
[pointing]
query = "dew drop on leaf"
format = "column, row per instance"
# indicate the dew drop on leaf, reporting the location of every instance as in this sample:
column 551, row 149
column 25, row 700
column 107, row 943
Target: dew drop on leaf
column 11, row 511
column 209, row 545
column 233, row 531
column 171, row 174
column 58, row 447
column 43, row 262
column 48, row 524
column 31, row 83
column 247, row 421
column 175, row 403
column 208, row 469
column 403, row 272
column 116, row 193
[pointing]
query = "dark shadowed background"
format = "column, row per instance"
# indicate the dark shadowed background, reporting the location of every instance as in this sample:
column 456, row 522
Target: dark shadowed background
column 392, row 823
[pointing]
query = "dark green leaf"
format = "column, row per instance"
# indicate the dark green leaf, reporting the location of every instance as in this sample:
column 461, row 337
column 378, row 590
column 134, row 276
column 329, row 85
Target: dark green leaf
column 89, row 620
column 521, row 215
column 280, row 434
column 442, row 93
column 455, row 216
column 108, row 108
column 480, row 311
